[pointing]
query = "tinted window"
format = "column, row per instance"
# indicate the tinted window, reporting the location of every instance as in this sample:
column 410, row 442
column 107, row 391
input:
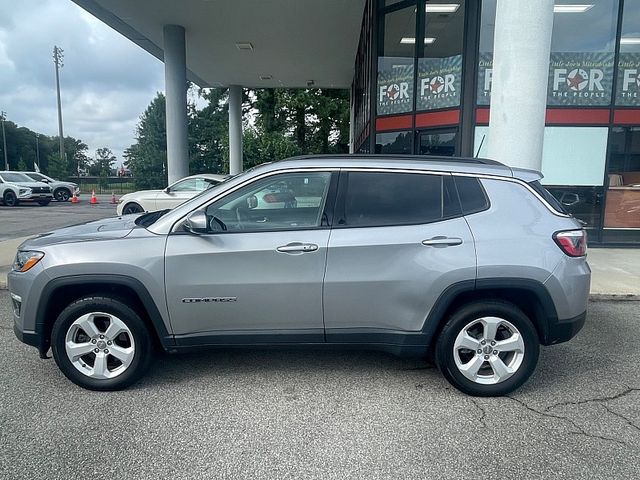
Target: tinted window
column 551, row 200
column 377, row 199
column 472, row 196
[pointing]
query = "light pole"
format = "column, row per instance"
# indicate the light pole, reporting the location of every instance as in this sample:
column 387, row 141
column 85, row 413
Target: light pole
column 4, row 141
column 37, row 169
column 58, row 58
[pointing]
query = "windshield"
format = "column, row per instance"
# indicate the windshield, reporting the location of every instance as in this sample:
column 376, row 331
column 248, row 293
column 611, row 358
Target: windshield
column 16, row 177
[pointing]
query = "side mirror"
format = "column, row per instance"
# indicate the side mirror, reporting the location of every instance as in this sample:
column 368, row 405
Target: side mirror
column 197, row 222
column 167, row 190
column 252, row 202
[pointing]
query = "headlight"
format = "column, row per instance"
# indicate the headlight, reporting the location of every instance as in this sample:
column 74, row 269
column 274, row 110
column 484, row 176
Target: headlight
column 24, row 191
column 25, row 260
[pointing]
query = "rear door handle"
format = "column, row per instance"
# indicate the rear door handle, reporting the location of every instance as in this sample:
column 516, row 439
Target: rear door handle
column 297, row 247
column 442, row 241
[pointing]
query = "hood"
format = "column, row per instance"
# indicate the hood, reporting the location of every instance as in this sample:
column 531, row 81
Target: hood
column 33, row 184
column 107, row 229
column 144, row 193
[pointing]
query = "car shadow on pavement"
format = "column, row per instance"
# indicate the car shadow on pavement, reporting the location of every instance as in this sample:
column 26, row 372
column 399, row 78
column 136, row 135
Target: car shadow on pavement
column 292, row 362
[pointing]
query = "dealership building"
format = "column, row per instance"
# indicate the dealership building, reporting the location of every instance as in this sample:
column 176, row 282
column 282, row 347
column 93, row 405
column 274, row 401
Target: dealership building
column 422, row 75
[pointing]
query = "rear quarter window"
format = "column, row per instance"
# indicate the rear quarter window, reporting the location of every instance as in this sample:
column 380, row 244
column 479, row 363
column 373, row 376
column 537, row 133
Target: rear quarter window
column 473, row 198
column 550, row 199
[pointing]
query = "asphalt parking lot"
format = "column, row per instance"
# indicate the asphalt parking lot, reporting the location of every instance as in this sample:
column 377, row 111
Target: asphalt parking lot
column 30, row 219
column 310, row 414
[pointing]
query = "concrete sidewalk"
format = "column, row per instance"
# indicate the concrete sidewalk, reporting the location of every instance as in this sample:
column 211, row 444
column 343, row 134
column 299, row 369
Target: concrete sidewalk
column 616, row 271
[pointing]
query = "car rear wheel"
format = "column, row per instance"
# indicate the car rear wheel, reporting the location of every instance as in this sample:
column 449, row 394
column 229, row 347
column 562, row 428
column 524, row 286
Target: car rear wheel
column 99, row 343
column 10, row 199
column 62, row 195
column 488, row 348
column 131, row 208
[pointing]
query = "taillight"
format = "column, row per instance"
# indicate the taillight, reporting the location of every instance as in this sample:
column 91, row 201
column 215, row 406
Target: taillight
column 572, row 242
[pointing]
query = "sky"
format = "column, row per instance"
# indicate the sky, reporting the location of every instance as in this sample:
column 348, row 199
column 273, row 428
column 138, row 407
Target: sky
column 106, row 83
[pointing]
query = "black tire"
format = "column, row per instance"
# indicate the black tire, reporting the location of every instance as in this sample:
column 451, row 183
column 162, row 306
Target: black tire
column 62, row 195
column 131, row 208
column 444, row 351
column 10, row 199
column 110, row 305
column 44, row 203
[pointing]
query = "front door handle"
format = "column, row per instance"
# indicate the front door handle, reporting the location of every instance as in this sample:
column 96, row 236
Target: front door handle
column 297, row 247
column 441, row 241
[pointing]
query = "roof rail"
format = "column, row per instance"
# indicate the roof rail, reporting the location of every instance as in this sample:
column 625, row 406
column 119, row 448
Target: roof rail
column 422, row 158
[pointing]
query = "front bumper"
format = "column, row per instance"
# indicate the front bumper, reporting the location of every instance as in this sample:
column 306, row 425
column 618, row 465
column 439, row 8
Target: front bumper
column 25, row 289
column 36, row 197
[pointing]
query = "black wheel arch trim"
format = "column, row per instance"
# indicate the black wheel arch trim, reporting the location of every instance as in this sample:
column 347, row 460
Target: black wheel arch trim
column 548, row 314
column 166, row 339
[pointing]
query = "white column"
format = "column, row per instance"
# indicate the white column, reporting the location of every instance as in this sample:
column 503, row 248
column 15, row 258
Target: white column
column 235, row 129
column 521, row 47
column 175, row 77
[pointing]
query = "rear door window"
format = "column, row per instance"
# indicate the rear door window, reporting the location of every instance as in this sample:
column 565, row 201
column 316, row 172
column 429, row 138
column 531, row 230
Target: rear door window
column 372, row 199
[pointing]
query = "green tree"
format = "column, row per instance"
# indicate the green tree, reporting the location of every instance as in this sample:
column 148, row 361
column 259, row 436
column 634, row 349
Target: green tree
column 22, row 165
column 102, row 164
column 147, row 158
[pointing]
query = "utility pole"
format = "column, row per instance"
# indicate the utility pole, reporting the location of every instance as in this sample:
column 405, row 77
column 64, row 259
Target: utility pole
column 58, row 58
column 4, row 141
column 37, row 153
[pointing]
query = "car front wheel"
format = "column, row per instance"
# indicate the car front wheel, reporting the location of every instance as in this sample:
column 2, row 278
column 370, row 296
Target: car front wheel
column 10, row 199
column 62, row 195
column 99, row 343
column 131, row 208
column 488, row 348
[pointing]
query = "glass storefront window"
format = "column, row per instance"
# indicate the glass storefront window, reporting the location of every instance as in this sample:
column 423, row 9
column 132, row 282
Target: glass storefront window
column 395, row 64
column 573, row 161
column 582, row 53
column 394, row 142
column 440, row 65
column 628, row 81
column 440, row 143
column 622, row 209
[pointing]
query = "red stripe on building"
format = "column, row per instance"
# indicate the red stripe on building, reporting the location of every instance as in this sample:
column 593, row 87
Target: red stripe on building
column 400, row 122
column 482, row 116
column 626, row 117
column 579, row 116
column 436, row 119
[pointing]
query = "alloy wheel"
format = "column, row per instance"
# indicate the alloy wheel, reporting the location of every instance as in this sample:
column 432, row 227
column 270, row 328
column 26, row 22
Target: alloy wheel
column 100, row 345
column 488, row 350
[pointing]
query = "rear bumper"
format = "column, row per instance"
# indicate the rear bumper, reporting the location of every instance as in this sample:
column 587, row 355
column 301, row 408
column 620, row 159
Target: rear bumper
column 564, row 330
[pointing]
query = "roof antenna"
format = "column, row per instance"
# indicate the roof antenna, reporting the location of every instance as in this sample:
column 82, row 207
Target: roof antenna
column 480, row 147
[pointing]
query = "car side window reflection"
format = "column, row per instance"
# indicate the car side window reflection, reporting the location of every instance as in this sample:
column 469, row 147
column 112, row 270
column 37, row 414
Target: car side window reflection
column 189, row 185
column 280, row 202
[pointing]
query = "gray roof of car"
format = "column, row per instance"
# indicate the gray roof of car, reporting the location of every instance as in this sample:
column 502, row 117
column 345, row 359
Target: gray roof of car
column 478, row 166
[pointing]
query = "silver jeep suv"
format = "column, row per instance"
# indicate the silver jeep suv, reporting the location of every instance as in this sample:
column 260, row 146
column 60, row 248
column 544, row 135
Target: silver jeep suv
column 466, row 261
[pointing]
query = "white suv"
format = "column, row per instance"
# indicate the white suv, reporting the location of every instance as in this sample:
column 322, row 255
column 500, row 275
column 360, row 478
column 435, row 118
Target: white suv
column 16, row 187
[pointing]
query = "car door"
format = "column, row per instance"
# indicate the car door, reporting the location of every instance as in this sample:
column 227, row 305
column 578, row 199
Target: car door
column 257, row 274
column 397, row 243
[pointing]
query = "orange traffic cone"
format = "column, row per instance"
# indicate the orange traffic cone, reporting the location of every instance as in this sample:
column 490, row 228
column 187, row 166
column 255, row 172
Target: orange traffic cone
column 114, row 200
column 74, row 198
column 94, row 200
